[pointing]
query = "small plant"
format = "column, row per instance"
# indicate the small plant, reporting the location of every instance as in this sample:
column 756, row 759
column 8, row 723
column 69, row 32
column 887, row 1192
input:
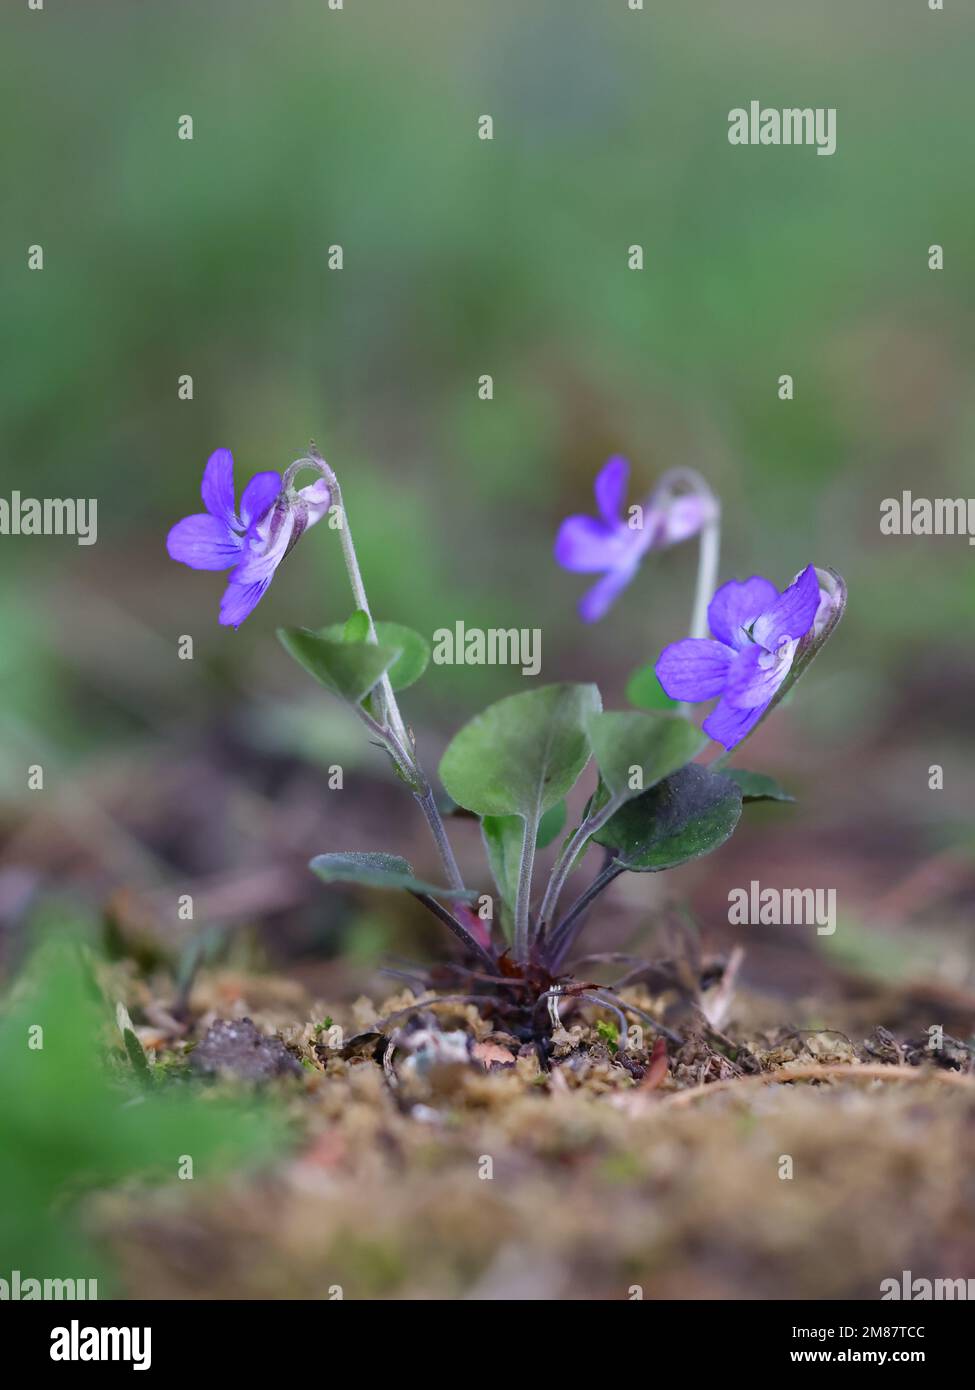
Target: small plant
column 515, row 763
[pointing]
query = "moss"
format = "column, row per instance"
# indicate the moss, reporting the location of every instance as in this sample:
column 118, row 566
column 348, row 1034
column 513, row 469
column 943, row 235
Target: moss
column 595, row 1184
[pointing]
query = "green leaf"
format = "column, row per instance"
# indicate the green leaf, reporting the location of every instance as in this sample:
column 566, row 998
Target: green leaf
column 137, row 1056
column 686, row 815
column 503, row 837
column 551, row 825
column 626, row 743
column 380, row 871
column 447, row 806
column 523, row 754
column 645, row 691
column 414, row 655
column 348, row 669
column 356, row 628
column 67, row 1126
column 757, row 786
column 414, row 650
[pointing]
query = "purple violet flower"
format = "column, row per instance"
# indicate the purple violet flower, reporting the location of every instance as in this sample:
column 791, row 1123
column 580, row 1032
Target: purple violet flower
column 616, row 545
column 270, row 522
column 757, row 631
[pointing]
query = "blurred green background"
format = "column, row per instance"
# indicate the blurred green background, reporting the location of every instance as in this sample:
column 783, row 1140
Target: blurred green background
column 461, row 257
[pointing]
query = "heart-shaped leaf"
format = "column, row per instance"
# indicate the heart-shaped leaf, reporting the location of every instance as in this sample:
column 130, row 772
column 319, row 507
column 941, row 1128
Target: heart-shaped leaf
column 348, row 669
column 686, row 815
column 631, row 747
column 756, row 786
column 522, row 754
column 380, row 871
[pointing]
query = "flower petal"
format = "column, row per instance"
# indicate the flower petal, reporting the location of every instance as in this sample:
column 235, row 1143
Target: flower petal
column 756, row 675
column 792, row 614
column 203, row 542
column 824, row 611
column 729, row 725
column 217, row 488
column 587, row 546
column 596, row 601
column 258, row 496
column 684, row 517
column 317, row 497
column 694, row 669
column 610, row 489
column 240, row 600
column 736, row 606
column 265, row 546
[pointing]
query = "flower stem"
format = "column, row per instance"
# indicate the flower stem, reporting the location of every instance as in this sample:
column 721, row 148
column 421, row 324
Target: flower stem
column 709, row 546
column 568, row 929
column 412, row 773
column 710, row 543
column 387, row 699
column 709, row 554
column 391, row 727
column 428, row 805
column 523, row 896
column 563, row 865
column 460, row 931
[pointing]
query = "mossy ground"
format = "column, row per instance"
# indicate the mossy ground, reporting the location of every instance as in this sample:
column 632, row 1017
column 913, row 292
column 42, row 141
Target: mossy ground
column 600, row 1175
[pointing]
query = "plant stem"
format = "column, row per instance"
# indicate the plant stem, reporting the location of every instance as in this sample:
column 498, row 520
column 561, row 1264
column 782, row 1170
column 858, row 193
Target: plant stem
column 608, row 993
column 391, row 728
column 523, row 896
column 387, row 698
column 458, row 929
column 708, row 556
column 413, row 773
column 563, row 865
column 709, row 553
column 405, row 764
column 709, row 545
column 567, row 930
column 428, row 806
